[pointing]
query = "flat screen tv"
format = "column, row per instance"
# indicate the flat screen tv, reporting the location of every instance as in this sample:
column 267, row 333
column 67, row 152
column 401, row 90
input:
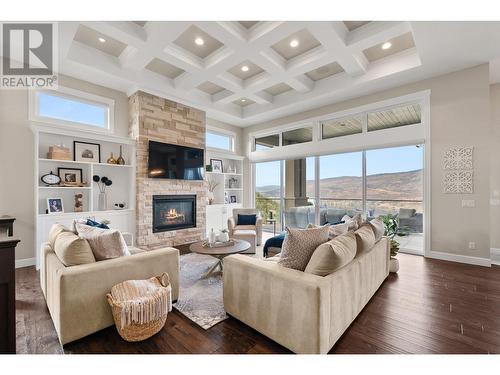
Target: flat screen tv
column 175, row 162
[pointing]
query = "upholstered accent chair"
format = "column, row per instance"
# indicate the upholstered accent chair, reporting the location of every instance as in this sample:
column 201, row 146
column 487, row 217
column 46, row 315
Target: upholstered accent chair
column 234, row 228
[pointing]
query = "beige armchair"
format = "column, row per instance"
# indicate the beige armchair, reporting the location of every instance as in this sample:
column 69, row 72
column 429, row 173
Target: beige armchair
column 232, row 223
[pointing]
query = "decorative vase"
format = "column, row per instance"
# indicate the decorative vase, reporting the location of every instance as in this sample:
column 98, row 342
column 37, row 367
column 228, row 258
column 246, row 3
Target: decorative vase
column 212, row 237
column 102, row 202
column 224, row 237
column 111, row 159
column 394, row 265
column 120, row 160
column 210, row 197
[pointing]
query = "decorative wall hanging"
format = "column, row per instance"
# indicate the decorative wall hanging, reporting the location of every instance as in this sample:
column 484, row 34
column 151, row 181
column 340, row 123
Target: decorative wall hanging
column 458, row 158
column 459, row 182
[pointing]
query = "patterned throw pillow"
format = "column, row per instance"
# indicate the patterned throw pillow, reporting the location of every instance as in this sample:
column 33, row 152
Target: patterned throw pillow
column 353, row 222
column 334, row 230
column 299, row 245
column 105, row 243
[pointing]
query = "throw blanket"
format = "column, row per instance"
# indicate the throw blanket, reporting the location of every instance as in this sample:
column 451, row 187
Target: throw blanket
column 143, row 301
column 276, row 241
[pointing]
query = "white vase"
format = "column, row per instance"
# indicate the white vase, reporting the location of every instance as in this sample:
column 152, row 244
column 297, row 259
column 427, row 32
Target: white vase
column 212, row 237
column 103, row 202
column 224, row 237
column 394, row 265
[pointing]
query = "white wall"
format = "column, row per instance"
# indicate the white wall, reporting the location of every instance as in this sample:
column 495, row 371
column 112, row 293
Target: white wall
column 460, row 116
column 495, row 165
column 17, row 156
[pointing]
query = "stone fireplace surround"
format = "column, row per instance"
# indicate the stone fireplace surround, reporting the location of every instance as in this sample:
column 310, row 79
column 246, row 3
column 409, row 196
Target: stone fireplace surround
column 158, row 119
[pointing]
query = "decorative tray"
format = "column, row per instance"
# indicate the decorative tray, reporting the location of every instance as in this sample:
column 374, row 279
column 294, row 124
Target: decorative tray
column 218, row 244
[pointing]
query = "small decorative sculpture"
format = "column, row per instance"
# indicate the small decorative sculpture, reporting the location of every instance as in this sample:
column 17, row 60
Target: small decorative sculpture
column 111, row 159
column 79, row 202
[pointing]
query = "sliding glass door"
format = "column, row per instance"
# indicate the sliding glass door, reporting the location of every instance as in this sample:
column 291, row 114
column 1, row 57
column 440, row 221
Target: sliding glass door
column 268, row 194
column 395, row 186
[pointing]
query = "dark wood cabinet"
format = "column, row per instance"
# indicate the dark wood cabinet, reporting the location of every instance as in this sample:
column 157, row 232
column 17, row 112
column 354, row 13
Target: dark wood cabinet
column 7, row 289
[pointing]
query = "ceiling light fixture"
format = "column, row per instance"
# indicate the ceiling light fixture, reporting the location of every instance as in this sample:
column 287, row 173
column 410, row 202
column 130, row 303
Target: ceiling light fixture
column 386, row 45
column 199, row 41
column 244, row 68
column 294, row 43
column 243, row 100
column 102, row 40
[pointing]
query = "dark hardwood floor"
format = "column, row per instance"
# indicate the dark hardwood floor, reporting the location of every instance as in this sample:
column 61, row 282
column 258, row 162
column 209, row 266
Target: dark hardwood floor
column 430, row 306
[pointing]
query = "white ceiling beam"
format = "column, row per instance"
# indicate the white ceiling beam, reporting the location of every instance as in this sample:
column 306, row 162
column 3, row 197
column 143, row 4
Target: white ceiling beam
column 374, row 33
column 301, row 83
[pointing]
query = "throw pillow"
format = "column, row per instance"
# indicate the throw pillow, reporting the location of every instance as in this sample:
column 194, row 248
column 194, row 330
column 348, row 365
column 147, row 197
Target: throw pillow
column 332, row 255
column 105, row 243
column 365, row 239
column 334, row 230
column 247, row 219
column 93, row 223
column 299, row 245
column 55, row 231
column 378, row 228
column 353, row 222
column 73, row 250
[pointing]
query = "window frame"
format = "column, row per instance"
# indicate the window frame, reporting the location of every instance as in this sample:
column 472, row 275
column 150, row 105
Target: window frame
column 74, row 95
column 224, row 133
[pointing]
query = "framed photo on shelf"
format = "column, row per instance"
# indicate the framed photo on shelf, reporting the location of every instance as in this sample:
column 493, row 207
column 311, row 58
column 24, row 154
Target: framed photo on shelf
column 216, row 165
column 87, row 152
column 70, row 175
column 55, row 205
column 233, row 198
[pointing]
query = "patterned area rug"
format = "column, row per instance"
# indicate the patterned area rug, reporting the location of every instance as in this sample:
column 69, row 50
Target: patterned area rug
column 200, row 299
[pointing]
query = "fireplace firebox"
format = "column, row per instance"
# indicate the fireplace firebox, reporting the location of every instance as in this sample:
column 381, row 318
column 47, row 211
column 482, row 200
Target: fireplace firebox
column 172, row 212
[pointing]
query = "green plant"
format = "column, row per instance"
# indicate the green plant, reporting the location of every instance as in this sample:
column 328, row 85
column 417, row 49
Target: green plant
column 392, row 228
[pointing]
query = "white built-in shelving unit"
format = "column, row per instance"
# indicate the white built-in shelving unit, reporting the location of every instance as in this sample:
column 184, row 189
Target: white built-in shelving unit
column 219, row 211
column 121, row 191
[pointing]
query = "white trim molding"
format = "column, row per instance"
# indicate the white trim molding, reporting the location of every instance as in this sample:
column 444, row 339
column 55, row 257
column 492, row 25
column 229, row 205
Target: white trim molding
column 486, row 262
column 28, row 262
column 495, row 256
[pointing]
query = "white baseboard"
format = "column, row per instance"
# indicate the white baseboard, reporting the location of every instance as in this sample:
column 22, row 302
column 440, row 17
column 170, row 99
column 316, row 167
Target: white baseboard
column 495, row 256
column 411, row 251
column 20, row 263
column 486, row 262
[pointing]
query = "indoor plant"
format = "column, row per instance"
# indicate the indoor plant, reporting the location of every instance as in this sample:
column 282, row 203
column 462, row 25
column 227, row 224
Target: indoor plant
column 391, row 224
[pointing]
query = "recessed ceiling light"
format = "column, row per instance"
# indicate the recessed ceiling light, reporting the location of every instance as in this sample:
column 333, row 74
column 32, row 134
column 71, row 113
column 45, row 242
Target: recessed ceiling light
column 386, row 45
column 294, row 43
column 199, row 41
column 244, row 68
column 102, row 40
column 243, row 100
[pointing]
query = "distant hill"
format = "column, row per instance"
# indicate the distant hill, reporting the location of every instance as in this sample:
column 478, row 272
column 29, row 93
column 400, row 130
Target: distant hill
column 401, row 185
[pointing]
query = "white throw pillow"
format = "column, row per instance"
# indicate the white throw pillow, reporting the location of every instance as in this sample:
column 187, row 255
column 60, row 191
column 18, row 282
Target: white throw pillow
column 299, row 245
column 378, row 228
column 105, row 243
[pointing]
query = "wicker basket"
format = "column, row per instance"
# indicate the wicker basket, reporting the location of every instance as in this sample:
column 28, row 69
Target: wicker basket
column 128, row 292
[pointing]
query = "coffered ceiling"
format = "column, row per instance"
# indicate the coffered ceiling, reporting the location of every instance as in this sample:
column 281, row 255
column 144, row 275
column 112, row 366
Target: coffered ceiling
column 246, row 72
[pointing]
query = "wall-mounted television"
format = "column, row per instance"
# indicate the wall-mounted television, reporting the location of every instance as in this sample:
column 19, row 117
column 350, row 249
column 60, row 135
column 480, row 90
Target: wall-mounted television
column 175, row 162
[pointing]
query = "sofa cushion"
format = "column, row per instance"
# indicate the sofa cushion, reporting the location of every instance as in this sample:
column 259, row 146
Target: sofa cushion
column 244, row 227
column 105, row 243
column 55, row 231
column 73, row 250
column 365, row 239
column 299, row 245
column 93, row 223
column 247, row 219
column 334, row 230
column 332, row 255
column 378, row 228
column 406, row 213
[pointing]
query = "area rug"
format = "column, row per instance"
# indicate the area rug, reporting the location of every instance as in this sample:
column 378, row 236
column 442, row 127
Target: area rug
column 200, row 299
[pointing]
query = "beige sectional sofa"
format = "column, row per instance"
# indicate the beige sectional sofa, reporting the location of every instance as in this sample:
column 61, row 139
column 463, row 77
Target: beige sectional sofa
column 76, row 295
column 305, row 313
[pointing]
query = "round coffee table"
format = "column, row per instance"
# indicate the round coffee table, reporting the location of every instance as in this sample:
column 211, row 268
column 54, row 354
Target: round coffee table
column 220, row 253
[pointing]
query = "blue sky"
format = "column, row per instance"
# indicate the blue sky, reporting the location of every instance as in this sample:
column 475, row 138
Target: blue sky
column 218, row 141
column 66, row 109
column 388, row 160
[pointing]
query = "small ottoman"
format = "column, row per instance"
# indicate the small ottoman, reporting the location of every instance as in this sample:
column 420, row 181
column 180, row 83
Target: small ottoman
column 248, row 235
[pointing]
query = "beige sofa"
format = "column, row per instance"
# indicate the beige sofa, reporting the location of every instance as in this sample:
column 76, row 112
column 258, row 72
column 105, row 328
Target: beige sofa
column 301, row 311
column 76, row 295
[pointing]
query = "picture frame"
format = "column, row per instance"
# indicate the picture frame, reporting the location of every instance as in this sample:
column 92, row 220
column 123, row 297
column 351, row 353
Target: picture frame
column 226, row 198
column 55, row 206
column 216, row 165
column 233, row 198
column 70, row 175
column 86, row 152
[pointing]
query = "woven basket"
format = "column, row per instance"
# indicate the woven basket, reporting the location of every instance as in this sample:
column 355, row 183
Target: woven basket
column 133, row 331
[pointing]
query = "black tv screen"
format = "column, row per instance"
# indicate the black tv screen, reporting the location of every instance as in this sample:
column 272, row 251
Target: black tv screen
column 175, row 162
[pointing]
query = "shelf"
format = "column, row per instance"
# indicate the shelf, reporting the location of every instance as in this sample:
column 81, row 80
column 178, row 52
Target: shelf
column 66, row 187
column 88, row 213
column 234, row 189
column 85, row 163
column 225, row 173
